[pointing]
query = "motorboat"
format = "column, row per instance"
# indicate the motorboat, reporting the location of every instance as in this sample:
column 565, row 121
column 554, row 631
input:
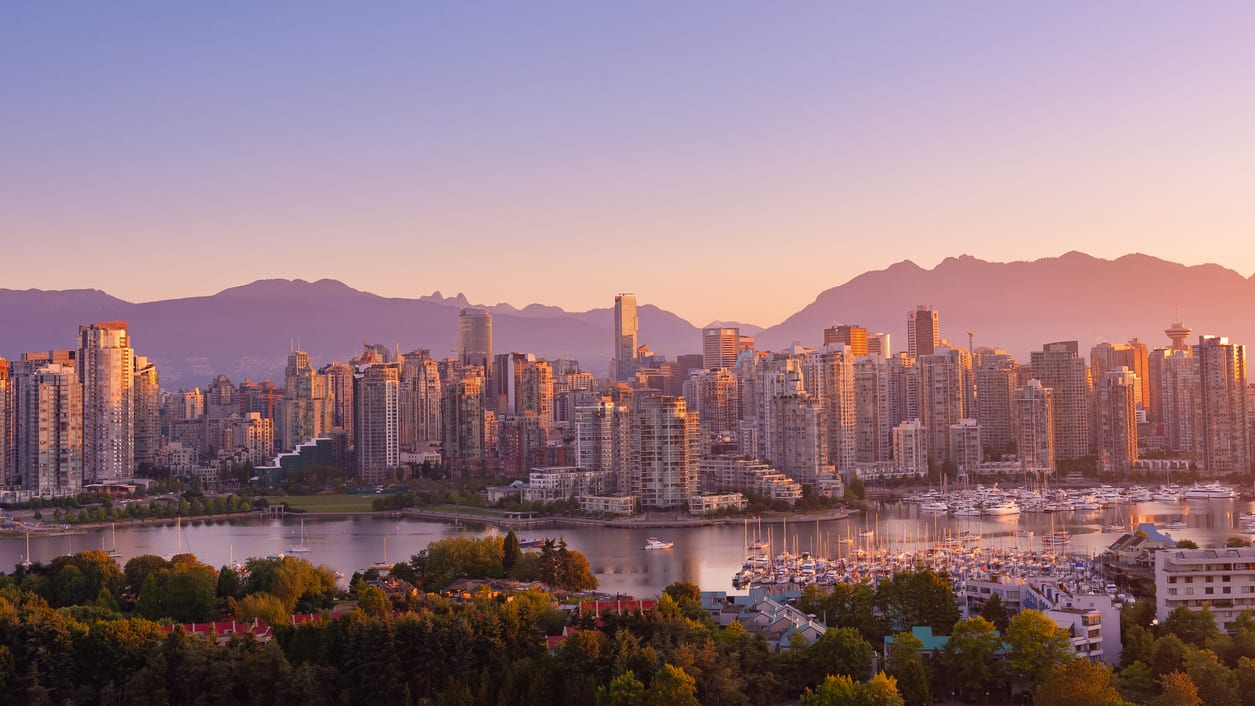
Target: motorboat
column 655, row 543
column 1209, row 491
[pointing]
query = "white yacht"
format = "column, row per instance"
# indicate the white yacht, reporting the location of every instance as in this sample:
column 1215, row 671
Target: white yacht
column 1209, row 491
column 655, row 543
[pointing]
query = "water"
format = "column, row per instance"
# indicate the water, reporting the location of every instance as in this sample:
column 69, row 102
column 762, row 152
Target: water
column 707, row 556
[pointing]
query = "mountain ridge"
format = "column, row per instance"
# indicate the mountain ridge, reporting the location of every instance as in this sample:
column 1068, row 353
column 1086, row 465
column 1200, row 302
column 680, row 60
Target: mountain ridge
column 246, row 330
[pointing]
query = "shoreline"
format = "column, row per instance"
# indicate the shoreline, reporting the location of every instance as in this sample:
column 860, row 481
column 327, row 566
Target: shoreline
column 646, row 522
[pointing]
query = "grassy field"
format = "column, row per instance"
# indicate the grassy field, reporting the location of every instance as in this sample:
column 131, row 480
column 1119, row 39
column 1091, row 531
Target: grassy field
column 328, row 503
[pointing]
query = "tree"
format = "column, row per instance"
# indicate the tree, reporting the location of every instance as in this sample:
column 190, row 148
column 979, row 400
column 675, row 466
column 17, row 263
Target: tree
column 1077, row 682
column 842, row 690
column 1036, row 646
column 1193, row 627
column 837, row 651
column 672, row 686
column 687, row 596
column 1187, row 544
column 995, row 612
column 1177, row 690
column 1234, row 542
column 834, row 690
column 918, row 598
column 623, row 690
column 1217, row 684
column 969, row 656
column 372, row 601
column 906, row 665
column 511, row 552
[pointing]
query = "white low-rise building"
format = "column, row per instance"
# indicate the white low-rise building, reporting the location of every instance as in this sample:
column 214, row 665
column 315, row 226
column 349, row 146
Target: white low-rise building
column 746, row 474
column 1221, row 579
column 547, row 485
column 608, row 504
column 708, row 503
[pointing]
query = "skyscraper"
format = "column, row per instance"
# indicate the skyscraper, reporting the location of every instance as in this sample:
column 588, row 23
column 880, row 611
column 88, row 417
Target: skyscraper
column 106, row 369
column 923, row 331
column 147, row 412
column 376, row 422
column 603, row 439
column 1222, row 435
column 50, row 449
column 942, row 397
column 873, row 430
column 664, row 462
column 1034, row 428
column 1113, row 356
column 626, row 327
column 846, row 335
column 1059, row 367
column 462, row 419
column 1116, row 422
column 475, row 338
column 420, row 400
column 720, row 347
column 995, row 412
column 6, row 425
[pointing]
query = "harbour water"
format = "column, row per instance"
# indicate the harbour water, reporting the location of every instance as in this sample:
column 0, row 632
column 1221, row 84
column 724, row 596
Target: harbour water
column 708, row 556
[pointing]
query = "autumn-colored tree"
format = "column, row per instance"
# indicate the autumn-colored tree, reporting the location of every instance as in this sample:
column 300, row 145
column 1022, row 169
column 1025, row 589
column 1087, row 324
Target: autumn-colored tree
column 1078, row 682
column 672, row 686
column 1177, row 689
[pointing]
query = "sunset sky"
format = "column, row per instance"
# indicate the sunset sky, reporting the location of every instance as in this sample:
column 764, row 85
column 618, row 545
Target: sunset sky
column 722, row 160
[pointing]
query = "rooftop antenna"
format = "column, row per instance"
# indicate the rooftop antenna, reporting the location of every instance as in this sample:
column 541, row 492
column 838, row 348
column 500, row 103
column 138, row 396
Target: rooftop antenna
column 970, row 337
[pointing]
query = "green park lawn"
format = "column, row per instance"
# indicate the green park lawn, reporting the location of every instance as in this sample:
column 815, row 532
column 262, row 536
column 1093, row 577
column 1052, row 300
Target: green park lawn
column 329, row 503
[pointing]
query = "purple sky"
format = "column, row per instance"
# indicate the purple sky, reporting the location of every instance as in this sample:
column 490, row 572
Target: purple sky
column 721, row 160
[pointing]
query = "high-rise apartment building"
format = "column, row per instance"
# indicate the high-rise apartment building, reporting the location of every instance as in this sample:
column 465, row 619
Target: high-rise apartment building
column 421, row 390
column 904, row 390
column 475, row 338
column 603, row 439
column 147, row 412
column 878, row 344
column 798, row 447
column 1133, row 355
column 462, row 418
column 943, row 378
column 377, row 423
column 106, row 369
column 965, row 446
column 910, row 448
column 1116, row 420
column 847, row 335
column 1035, row 428
column 1222, row 435
column 828, row 377
column 7, row 416
column 1174, row 396
column 664, row 462
column 923, row 331
column 535, row 393
column 873, row 428
column 339, row 377
column 996, row 382
column 1059, row 367
column 50, row 437
column 714, row 394
column 720, row 347
column 626, row 328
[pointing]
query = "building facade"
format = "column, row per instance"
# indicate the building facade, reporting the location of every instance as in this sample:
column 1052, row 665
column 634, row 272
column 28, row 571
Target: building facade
column 106, row 369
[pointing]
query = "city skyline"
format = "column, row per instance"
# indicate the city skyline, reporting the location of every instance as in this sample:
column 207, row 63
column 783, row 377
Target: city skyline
column 223, row 138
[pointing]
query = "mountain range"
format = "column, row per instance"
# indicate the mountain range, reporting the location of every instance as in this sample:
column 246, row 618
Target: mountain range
column 247, row 331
